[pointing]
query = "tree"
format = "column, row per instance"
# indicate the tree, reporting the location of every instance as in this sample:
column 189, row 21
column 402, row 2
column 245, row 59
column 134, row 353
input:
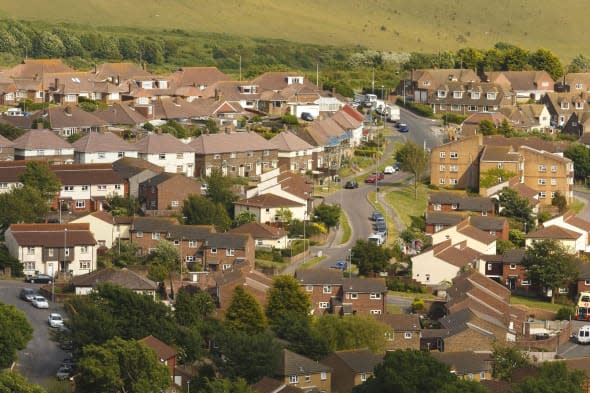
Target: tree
column 244, row 313
column 225, row 385
column 121, row 366
column 507, row 359
column 515, row 58
column 413, row 159
column 514, row 206
column 219, row 190
column 486, row 127
column 8, row 261
column 285, row 215
column 351, row 332
column 469, row 58
column 329, row 215
column 192, row 308
column 244, row 217
column 11, row 382
column 11, row 132
column 549, row 265
column 505, row 128
column 370, row 258
column 123, row 253
column 15, row 333
column 580, row 63
column 553, row 377
column 580, row 155
column 285, row 297
column 38, row 176
column 503, row 245
column 119, row 205
column 560, row 202
column 494, row 176
column 545, row 60
column 22, row 204
column 199, row 210
column 167, row 256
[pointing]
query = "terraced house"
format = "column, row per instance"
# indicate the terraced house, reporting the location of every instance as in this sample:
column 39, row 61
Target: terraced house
column 471, row 97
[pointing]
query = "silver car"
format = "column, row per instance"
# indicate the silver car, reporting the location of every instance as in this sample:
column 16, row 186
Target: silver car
column 40, row 302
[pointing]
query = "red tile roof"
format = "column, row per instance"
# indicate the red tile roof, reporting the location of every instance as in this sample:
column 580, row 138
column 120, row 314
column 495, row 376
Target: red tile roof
column 53, row 235
column 268, row 200
column 163, row 350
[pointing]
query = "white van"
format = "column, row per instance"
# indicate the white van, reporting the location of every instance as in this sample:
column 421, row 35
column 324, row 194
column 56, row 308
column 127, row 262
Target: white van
column 376, row 238
column 584, row 335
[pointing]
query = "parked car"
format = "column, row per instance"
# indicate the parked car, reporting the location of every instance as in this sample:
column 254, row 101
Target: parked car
column 351, row 184
column 376, row 215
column 39, row 278
column 380, row 175
column 39, row 302
column 371, row 179
column 306, row 116
column 340, row 265
column 55, row 320
column 64, row 372
column 27, row 294
column 390, row 169
column 403, row 127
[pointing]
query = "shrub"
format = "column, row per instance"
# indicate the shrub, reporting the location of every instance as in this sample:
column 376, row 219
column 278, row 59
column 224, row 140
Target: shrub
column 453, row 118
column 418, row 305
column 289, row 119
column 564, row 314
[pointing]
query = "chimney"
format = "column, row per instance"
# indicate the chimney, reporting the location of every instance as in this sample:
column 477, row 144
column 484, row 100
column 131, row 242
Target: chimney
column 118, row 79
column 56, row 83
column 95, row 68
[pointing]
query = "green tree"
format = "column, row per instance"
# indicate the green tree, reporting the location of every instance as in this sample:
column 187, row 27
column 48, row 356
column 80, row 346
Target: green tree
column 199, row 210
column 49, row 45
column 11, row 382
column 285, row 297
column 494, row 176
column 167, row 256
column 516, row 207
column 507, row 359
column 559, row 201
column 119, row 205
column 549, row 265
column 486, row 127
column 244, row 217
column 553, row 377
column 22, row 204
column 192, row 308
column 15, row 333
column 123, row 253
column 39, row 176
column 121, row 366
column 244, row 313
column 219, row 189
column 545, row 60
column 515, row 59
column 580, row 63
column 580, row 155
column 11, row 132
column 370, row 258
column 329, row 215
column 469, row 58
column 285, row 215
column 8, row 261
column 351, row 332
column 503, row 245
column 505, row 128
column 413, row 159
column 225, row 385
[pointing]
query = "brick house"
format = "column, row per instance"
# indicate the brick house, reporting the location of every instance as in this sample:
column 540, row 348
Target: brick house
column 438, row 221
column 228, row 251
column 6, row 149
column 43, row 145
column 167, row 152
column 166, row 354
column 125, row 278
column 330, row 292
column 296, row 154
column 135, row 171
column 351, row 368
column 167, row 192
column 456, row 164
column 454, row 202
column 404, row 331
column 525, row 85
column 238, row 154
column 53, row 248
column 467, row 365
column 7, row 93
column 514, row 274
column 583, row 281
column 529, row 117
column 469, row 97
column 304, row 373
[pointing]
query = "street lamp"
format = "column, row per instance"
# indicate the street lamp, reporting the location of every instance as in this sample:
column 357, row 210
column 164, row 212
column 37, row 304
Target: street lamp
column 188, row 386
column 350, row 263
column 304, row 216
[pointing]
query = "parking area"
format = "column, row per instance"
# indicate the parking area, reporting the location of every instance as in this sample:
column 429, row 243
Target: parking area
column 572, row 349
column 41, row 359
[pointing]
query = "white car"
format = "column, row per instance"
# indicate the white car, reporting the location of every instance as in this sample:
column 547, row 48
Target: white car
column 40, row 302
column 55, row 320
column 388, row 170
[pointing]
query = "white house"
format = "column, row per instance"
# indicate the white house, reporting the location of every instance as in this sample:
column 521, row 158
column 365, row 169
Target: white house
column 570, row 240
column 573, row 223
column 167, row 152
column 102, row 147
column 125, row 278
column 51, row 248
column 43, row 145
column 476, row 239
column 264, row 236
column 106, row 228
column 266, row 208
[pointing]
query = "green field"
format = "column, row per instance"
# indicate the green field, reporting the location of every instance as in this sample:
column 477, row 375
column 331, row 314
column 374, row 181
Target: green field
column 386, row 25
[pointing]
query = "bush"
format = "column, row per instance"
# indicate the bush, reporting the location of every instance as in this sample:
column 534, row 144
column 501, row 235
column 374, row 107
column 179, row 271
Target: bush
column 564, row 314
column 453, row 118
column 419, row 109
column 418, row 305
column 289, row 119
column 399, row 285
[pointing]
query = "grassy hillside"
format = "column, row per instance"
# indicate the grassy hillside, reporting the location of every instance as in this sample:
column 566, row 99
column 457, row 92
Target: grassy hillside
column 389, row 25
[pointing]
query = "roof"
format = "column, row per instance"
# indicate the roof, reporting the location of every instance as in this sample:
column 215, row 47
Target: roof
column 577, row 221
column 190, row 183
column 163, row 350
column 456, row 254
column 488, row 223
column 295, row 184
column 287, row 141
column 128, row 167
column 72, row 117
column 269, row 385
column 87, row 174
column 110, row 219
column 198, row 76
column 35, row 68
column 120, row 114
column 292, row 363
column 463, row 202
column 5, row 142
column 52, row 235
column 553, row 232
column 359, row 360
column 460, row 321
column 40, row 139
column 466, row 362
column 94, row 142
column 524, row 80
column 514, row 256
column 260, row 231
column 319, row 276
column 226, row 240
column 441, row 218
column 124, row 278
column 364, row 285
column 230, row 142
column 499, row 154
column 161, row 143
column 466, row 228
column 401, row 322
column 111, row 71
column 268, row 200
column 530, row 141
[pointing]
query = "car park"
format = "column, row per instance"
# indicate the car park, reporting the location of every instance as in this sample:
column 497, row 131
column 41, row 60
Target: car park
column 351, row 184
column 403, row 127
column 39, row 302
column 39, row 278
column 27, row 294
column 55, row 320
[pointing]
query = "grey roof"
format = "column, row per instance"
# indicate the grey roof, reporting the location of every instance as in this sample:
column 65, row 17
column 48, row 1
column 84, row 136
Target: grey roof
column 128, row 167
column 102, row 142
column 162, row 143
column 466, row 362
column 287, row 141
column 292, row 363
column 462, row 202
column 360, row 360
column 124, row 278
column 226, row 240
column 402, row 322
column 153, row 224
column 175, row 230
column 40, row 139
column 488, row 223
column 450, row 219
column 319, row 276
column 364, row 285
column 460, row 321
column 514, row 256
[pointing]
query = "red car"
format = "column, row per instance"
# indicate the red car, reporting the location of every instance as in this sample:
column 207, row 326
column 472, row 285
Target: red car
column 371, row 179
column 380, row 175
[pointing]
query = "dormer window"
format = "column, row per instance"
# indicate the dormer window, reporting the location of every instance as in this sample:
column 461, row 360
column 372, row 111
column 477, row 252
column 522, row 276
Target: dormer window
column 565, row 105
column 457, row 94
column 579, row 105
column 475, row 95
column 441, row 94
column 426, row 83
column 491, row 95
column 578, row 86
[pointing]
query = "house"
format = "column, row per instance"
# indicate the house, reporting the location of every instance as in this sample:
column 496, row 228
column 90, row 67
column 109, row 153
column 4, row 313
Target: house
column 102, row 147
column 467, row 365
column 438, row 221
column 334, row 138
column 124, row 278
column 238, row 154
column 468, row 97
column 120, row 115
column 135, row 171
column 352, row 124
column 43, row 145
column 296, row 154
column 198, row 77
column 7, row 92
column 424, row 81
column 351, row 368
column 471, row 125
column 571, row 241
column 495, row 226
column 265, row 236
column 66, row 88
column 481, row 241
column 270, row 385
column 165, row 151
column 513, row 273
column 6, row 149
column 107, row 229
column 404, row 331
column 51, row 248
column 330, row 292
column 583, row 281
column 571, row 221
column 167, row 192
column 525, row 85
column 285, row 92
column 69, row 120
column 297, row 370
column 562, row 105
column 228, row 251
column 267, row 208
column 499, row 164
column 454, row 202
column 456, row 164
column 528, row 117
column 33, row 68
column 165, row 353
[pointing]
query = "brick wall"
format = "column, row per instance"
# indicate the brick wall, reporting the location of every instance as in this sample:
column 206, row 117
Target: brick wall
column 401, row 342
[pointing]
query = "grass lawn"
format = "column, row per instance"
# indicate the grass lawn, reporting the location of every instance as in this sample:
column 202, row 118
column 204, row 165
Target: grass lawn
column 346, row 229
column 413, row 295
column 393, row 309
column 265, row 263
column 536, row 303
column 312, row 262
column 577, row 206
column 403, row 203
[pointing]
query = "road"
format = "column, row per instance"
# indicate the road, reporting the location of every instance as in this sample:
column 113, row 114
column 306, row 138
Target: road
column 41, row 359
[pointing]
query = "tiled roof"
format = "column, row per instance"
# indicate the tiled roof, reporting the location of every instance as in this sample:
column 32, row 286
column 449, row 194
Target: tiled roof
column 475, row 233
column 153, row 224
column 71, row 116
column 545, row 154
column 577, row 221
column 40, row 139
column 163, row 350
column 226, row 240
column 530, row 141
column 443, row 75
column 5, row 142
column 124, row 278
column 52, row 235
column 102, row 142
column 260, row 231
column 346, row 121
column 287, row 141
column 495, row 117
column 31, row 68
column 364, row 285
column 161, row 143
column 440, row 218
column 401, row 322
column 488, row 223
column 359, row 360
column 230, row 142
column 553, row 232
column 110, row 219
column 460, row 321
column 128, row 167
column 120, row 114
column 458, row 254
column 319, row 277
column 467, row 362
column 123, row 71
column 277, row 80
column 87, row 174
column 526, row 80
column 163, row 177
column 292, row 363
column 268, row 200
column 198, row 76
column 295, row 184
column 463, row 202
column 499, row 154
column 269, row 385
column 514, row 256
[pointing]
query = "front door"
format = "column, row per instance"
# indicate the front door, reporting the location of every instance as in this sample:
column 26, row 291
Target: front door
column 512, row 283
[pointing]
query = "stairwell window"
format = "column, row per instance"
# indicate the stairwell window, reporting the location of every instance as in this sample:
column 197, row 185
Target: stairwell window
column 454, row 155
column 327, row 289
column 375, row 295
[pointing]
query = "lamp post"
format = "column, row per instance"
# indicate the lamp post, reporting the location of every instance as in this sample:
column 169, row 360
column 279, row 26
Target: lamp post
column 304, row 216
column 350, row 263
column 188, row 386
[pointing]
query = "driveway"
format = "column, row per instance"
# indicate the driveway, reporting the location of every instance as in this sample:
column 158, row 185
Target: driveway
column 41, row 359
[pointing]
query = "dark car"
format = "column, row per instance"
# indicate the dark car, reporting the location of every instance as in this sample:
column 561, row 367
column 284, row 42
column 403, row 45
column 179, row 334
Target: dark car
column 403, row 127
column 340, row 265
column 39, row 278
column 306, row 116
column 376, row 216
column 27, row 294
column 351, row 184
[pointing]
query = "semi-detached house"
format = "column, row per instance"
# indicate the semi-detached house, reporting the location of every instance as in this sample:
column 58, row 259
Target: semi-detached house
column 166, row 151
column 101, row 148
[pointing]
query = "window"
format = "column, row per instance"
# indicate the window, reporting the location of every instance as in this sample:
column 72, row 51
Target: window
column 407, row 335
column 307, row 378
column 457, row 94
column 525, row 282
column 542, row 182
column 578, row 86
column 441, row 180
column 442, row 154
column 453, row 168
column 179, row 169
column 376, row 312
column 101, row 154
column 176, row 242
column 192, row 244
column 68, row 188
column 554, row 168
column 542, row 168
column 472, row 108
column 455, row 108
column 293, row 379
column 512, row 266
column 3, row 185
column 426, row 83
column 266, row 153
column 542, row 195
column 216, row 156
column 309, row 288
column 482, row 375
column 389, row 336
column 327, row 289
column 470, row 376
column 441, row 94
column 484, row 213
column 226, row 266
column 454, row 206
column 553, row 182
column 323, row 376
column 50, row 252
column 101, row 187
column 179, row 156
column 441, row 168
column 232, row 155
column 323, row 305
column 85, row 187
column 28, row 265
column 84, row 249
column 120, row 154
column 213, row 250
column 155, row 235
column 453, row 181
column 454, row 155
column 565, row 105
column 139, row 234
column 353, row 295
column 80, row 204
column 67, row 252
column 563, row 290
column 189, row 258
column 475, row 95
column 250, row 154
column 491, row 95
column 117, row 186
column 84, row 264
column 375, row 295
column 174, row 203
column 364, row 377
column 437, row 207
column 162, row 156
column 229, row 252
column 30, row 250
column 586, row 282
